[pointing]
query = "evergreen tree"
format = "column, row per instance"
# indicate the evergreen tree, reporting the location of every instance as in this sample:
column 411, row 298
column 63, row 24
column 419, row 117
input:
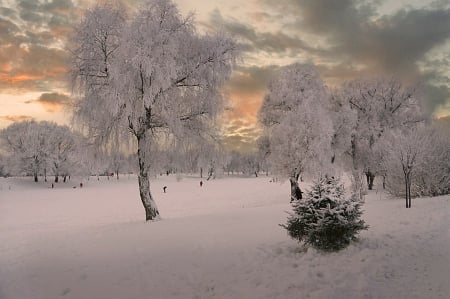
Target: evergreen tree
column 325, row 219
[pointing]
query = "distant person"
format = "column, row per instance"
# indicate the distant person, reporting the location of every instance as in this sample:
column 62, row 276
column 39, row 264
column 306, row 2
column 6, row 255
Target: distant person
column 164, row 189
column 201, row 183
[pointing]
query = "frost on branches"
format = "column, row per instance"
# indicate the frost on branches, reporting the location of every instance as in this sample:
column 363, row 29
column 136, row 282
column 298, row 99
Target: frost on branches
column 149, row 76
column 296, row 123
column 325, row 219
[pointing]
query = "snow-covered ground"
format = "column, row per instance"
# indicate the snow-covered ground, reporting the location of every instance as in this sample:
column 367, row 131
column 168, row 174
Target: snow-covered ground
column 221, row 240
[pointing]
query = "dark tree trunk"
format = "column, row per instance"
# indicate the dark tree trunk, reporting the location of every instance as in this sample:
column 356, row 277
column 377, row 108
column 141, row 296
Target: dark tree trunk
column 201, row 172
column 406, row 190
column 384, row 182
column 117, row 174
column 370, row 176
column 296, row 192
column 56, row 178
column 151, row 210
column 35, row 177
column 64, row 178
column 45, row 174
column 409, row 191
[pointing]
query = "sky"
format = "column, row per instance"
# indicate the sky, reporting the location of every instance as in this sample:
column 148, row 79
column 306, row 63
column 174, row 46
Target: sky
column 345, row 39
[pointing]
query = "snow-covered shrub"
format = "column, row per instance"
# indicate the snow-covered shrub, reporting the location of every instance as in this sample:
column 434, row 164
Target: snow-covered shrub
column 325, row 219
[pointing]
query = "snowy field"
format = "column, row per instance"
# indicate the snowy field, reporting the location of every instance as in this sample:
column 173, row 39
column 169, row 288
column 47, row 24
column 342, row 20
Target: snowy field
column 218, row 241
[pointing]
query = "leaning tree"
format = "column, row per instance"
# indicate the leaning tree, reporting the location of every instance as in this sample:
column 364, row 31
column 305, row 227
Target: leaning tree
column 295, row 119
column 148, row 74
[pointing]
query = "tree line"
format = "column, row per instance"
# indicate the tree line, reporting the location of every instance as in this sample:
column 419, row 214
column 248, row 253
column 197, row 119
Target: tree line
column 369, row 127
column 147, row 80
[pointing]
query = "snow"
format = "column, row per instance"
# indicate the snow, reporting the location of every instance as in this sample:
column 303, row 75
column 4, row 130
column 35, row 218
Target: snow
column 221, row 240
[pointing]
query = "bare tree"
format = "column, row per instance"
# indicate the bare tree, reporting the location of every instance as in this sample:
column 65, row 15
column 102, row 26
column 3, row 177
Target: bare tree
column 150, row 75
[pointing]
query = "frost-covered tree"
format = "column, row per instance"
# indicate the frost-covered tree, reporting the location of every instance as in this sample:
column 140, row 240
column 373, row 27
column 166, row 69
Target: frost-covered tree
column 405, row 153
column 377, row 105
column 263, row 145
column 25, row 144
column 60, row 156
column 294, row 114
column 36, row 147
column 149, row 74
column 325, row 219
column 433, row 177
column 416, row 162
column 117, row 163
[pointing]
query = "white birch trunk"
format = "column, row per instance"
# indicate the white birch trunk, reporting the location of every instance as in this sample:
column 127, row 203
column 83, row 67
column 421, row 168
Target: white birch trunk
column 151, row 210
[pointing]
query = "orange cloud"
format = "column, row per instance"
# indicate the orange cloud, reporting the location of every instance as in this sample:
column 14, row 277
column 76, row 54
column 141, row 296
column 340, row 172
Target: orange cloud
column 17, row 79
column 16, row 118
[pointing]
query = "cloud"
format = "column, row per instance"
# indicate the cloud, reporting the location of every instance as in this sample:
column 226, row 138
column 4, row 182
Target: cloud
column 32, row 37
column 253, row 40
column 241, row 134
column 16, row 118
column 51, row 101
column 357, row 40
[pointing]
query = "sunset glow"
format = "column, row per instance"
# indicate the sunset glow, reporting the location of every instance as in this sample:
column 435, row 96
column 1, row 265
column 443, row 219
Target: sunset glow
column 407, row 39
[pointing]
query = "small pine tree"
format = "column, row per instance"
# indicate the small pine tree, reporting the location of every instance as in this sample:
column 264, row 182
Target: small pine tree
column 325, row 219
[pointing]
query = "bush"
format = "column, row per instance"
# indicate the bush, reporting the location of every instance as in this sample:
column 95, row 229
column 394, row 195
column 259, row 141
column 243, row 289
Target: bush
column 324, row 219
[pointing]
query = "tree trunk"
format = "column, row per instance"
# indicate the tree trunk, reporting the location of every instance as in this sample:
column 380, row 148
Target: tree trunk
column 201, row 172
column 56, row 178
column 296, row 192
column 35, row 177
column 151, row 210
column 406, row 190
column 45, row 174
column 117, row 174
column 357, row 184
column 409, row 191
column 370, row 178
column 64, row 178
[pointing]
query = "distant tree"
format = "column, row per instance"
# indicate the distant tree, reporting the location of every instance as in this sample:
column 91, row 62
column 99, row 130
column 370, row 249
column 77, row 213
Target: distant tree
column 150, row 74
column 62, row 145
column 24, row 143
column 433, row 177
column 295, row 118
column 118, row 162
column 404, row 154
column 263, row 144
column 416, row 159
column 34, row 147
column 3, row 171
column 250, row 163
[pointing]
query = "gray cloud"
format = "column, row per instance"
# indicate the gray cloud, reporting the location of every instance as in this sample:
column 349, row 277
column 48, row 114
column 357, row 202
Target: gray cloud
column 51, row 101
column 253, row 40
column 437, row 96
column 359, row 41
column 250, row 80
